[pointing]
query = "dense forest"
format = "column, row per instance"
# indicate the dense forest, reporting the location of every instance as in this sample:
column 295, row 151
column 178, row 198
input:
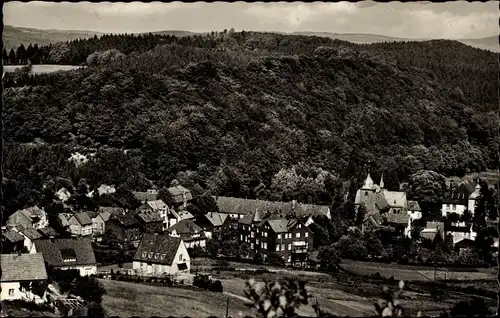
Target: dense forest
column 248, row 114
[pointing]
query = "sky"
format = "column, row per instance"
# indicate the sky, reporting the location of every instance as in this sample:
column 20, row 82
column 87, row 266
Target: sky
column 448, row 20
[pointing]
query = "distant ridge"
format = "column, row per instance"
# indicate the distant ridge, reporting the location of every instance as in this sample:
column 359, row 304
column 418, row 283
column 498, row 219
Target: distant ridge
column 14, row 36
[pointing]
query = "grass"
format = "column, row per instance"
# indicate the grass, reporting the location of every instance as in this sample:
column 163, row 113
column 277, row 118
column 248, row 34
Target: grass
column 126, row 299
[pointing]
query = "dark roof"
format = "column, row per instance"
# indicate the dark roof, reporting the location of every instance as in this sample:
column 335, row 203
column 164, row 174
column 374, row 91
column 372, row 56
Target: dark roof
column 22, row 267
column 51, row 250
column 32, row 234
column 83, row 218
column 145, row 196
column 126, row 219
column 185, row 227
column 12, row 236
column 92, row 214
column 251, row 218
column 178, row 192
column 48, row 232
column 230, row 205
column 147, row 216
column 373, row 201
column 282, row 225
column 413, row 206
column 465, row 243
column 166, row 247
column 397, row 218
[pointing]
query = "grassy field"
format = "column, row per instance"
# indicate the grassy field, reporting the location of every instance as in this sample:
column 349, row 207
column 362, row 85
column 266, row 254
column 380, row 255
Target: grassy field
column 126, row 299
column 45, row 68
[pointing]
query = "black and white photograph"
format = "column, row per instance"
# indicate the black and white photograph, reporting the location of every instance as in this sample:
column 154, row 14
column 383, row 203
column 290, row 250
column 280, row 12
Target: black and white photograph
column 250, row 159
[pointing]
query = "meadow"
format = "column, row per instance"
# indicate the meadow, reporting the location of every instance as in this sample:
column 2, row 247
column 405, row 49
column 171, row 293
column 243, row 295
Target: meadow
column 43, row 68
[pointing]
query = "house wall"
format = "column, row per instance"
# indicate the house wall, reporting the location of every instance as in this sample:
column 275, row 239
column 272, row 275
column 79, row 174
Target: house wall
column 43, row 222
column 85, row 270
column 471, row 205
column 452, row 208
column 415, row 215
column 285, row 246
column 86, row 230
column 74, row 226
column 30, row 245
column 98, row 225
column 116, row 228
column 150, row 268
column 12, row 291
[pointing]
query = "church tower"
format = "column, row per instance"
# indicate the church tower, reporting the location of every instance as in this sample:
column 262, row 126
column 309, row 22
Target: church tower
column 381, row 181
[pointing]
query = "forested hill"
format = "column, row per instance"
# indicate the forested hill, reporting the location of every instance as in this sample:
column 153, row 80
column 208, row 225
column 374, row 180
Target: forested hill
column 249, row 118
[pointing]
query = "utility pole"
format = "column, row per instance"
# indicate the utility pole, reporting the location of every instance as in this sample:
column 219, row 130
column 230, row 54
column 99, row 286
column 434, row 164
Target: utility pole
column 227, row 307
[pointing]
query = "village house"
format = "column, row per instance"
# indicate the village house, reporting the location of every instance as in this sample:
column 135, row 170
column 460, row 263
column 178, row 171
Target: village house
column 291, row 239
column 461, row 231
column 464, row 245
column 124, row 226
column 32, row 217
column 248, row 229
column 212, row 223
column 69, row 253
column 49, row 232
column 12, row 242
column 191, row 234
column 432, row 229
column 103, row 190
column 30, row 236
column 180, row 196
column 149, row 195
column 237, row 208
column 80, row 224
column 150, row 222
column 160, row 254
column 177, row 216
column 63, row 195
column 414, row 210
column 98, row 223
column 23, row 277
column 461, row 198
column 157, row 206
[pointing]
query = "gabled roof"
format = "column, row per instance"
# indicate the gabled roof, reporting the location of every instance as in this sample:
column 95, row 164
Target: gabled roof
column 145, row 196
column 12, row 236
column 51, row 250
column 465, row 243
column 83, row 218
column 125, row 219
column 19, row 217
column 107, row 211
column 185, row 227
column 63, row 219
column 413, row 206
column 179, row 193
column 395, row 199
column 216, row 219
column 48, row 232
column 24, row 267
column 156, row 204
column 397, row 218
column 33, row 212
column 32, row 234
column 251, row 218
column 282, row 225
column 181, row 215
column 165, row 246
column 373, row 201
column 149, row 216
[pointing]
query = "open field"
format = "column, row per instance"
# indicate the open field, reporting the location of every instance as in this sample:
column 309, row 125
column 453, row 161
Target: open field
column 44, row 68
column 126, row 299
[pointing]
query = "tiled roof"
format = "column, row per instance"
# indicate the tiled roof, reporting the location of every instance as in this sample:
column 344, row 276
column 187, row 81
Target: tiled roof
column 19, row 217
column 145, row 196
column 32, row 234
column 397, row 218
column 373, row 201
column 48, row 232
column 156, row 204
column 251, row 218
column 83, row 218
column 51, row 250
column 278, row 226
column 165, row 246
column 149, row 216
column 413, row 206
column 34, row 211
column 24, row 267
column 240, row 206
column 12, row 236
column 185, row 227
column 395, row 199
column 182, row 215
column 178, row 192
column 216, row 219
column 126, row 219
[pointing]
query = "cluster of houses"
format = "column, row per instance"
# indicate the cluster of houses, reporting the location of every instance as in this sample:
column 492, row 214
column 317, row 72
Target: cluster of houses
column 162, row 234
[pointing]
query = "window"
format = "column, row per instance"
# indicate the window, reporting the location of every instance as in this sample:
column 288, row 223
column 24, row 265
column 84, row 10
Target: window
column 157, row 256
column 241, row 237
column 279, row 236
column 265, row 234
column 283, row 246
column 289, row 247
column 144, row 255
column 11, row 292
column 307, row 234
column 253, row 234
column 277, row 247
column 163, row 256
column 297, row 235
column 366, row 192
column 265, row 245
column 180, row 257
column 299, row 226
column 257, row 241
column 150, row 255
column 251, row 245
column 454, row 206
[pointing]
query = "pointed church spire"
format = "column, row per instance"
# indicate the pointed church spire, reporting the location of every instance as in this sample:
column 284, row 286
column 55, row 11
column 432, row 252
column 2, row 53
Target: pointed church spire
column 368, row 182
column 381, row 181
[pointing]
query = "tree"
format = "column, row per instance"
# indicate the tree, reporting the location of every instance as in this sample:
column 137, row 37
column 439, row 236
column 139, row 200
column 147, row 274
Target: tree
column 427, row 187
column 447, row 245
column 329, row 259
column 21, row 54
column 275, row 258
column 5, row 56
column 12, row 57
column 437, row 241
column 89, row 288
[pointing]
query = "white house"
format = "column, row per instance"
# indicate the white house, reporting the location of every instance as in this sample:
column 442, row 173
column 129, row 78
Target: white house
column 22, row 275
column 159, row 207
column 471, row 203
column 69, row 253
column 30, row 236
column 32, row 217
column 459, row 199
column 80, row 224
column 160, row 254
column 461, row 231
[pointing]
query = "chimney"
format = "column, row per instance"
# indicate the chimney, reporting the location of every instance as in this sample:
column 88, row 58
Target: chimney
column 293, row 204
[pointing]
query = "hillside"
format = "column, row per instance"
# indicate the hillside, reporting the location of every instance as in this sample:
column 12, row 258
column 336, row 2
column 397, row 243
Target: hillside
column 15, row 36
column 249, row 118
